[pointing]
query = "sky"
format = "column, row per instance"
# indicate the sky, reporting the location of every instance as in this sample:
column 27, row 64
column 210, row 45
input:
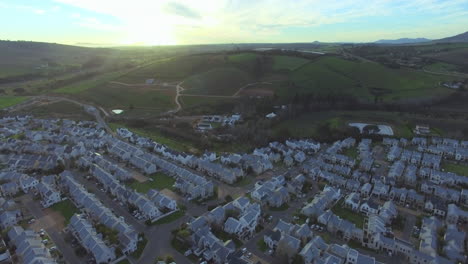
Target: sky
column 170, row 22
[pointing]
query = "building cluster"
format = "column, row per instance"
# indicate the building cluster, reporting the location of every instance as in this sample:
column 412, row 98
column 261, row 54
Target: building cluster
column 239, row 218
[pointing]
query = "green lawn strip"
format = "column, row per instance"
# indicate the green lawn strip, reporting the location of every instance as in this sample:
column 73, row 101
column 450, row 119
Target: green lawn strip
column 351, row 152
column 281, row 208
column 246, row 180
column 348, row 214
column 140, row 247
column 66, row 208
column 224, row 236
column 170, row 218
column 159, row 181
column 261, row 245
column 124, row 261
column 7, row 101
column 459, row 169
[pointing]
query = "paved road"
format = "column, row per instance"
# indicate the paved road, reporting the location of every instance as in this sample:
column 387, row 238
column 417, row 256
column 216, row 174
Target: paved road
column 56, row 235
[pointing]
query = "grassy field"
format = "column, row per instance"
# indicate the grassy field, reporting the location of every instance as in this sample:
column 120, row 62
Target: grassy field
column 170, row 218
column 221, row 81
column 7, row 101
column 459, row 169
column 160, row 181
column 347, row 214
column 82, row 86
column 66, row 208
column 131, row 99
column 307, row 125
column 61, row 109
column 441, row 67
column 155, row 135
column 364, row 79
column 287, row 63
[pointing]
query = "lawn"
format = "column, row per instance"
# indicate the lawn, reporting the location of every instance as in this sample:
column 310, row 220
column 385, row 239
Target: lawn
column 459, row 169
column 226, row 236
column 7, row 101
column 348, row 214
column 261, row 245
column 351, row 152
column 140, row 247
column 287, row 62
column 160, row 181
column 66, row 208
column 219, row 81
column 246, row 180
column 170, row 218
column 87, row 84
column 284, row 207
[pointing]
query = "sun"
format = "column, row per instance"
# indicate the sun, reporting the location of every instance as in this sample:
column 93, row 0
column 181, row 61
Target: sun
column 150, row 36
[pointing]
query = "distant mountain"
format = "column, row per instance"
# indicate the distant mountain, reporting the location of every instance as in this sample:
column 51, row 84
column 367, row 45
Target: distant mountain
column 402, row 41
column 458, row 38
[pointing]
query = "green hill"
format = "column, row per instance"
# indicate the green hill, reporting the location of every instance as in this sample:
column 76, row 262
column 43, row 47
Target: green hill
column 333, row 75
column 221, row 81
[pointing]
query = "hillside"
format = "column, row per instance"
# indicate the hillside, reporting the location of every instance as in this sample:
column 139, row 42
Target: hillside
column 21, row 57
column 402, row 41
column 457, row 38
column 363, row 80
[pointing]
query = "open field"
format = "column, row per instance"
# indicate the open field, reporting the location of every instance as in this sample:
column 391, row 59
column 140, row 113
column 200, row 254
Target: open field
column 66, row 208
column 459, row 169
column 221, row 81
column 287, row 62
column 159, row 181
column 60, row 109
column 7, row 101
column 402, row 124
column 87, row 84
column 364, row 80
column 115, row 96
column 155, row 135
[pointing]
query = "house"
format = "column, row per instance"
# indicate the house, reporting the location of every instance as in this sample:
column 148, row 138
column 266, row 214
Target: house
column 9, row 188
column 233, row 226
column 271, row 238
column 49, row 195
column 288, row 245
column 321, row 201
column 29, row 248
column 455, row 214
column 454, row 240
column 9, row 218
column 284, row 227
column 27, row 183
column 91, row 240
column 369, row 207
column 352, row 201
column 366, row 190
column 388, row 211
column 303, row 232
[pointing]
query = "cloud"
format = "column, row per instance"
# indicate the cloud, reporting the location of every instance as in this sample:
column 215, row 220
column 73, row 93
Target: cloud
column 181, row 10
column 247, row 20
